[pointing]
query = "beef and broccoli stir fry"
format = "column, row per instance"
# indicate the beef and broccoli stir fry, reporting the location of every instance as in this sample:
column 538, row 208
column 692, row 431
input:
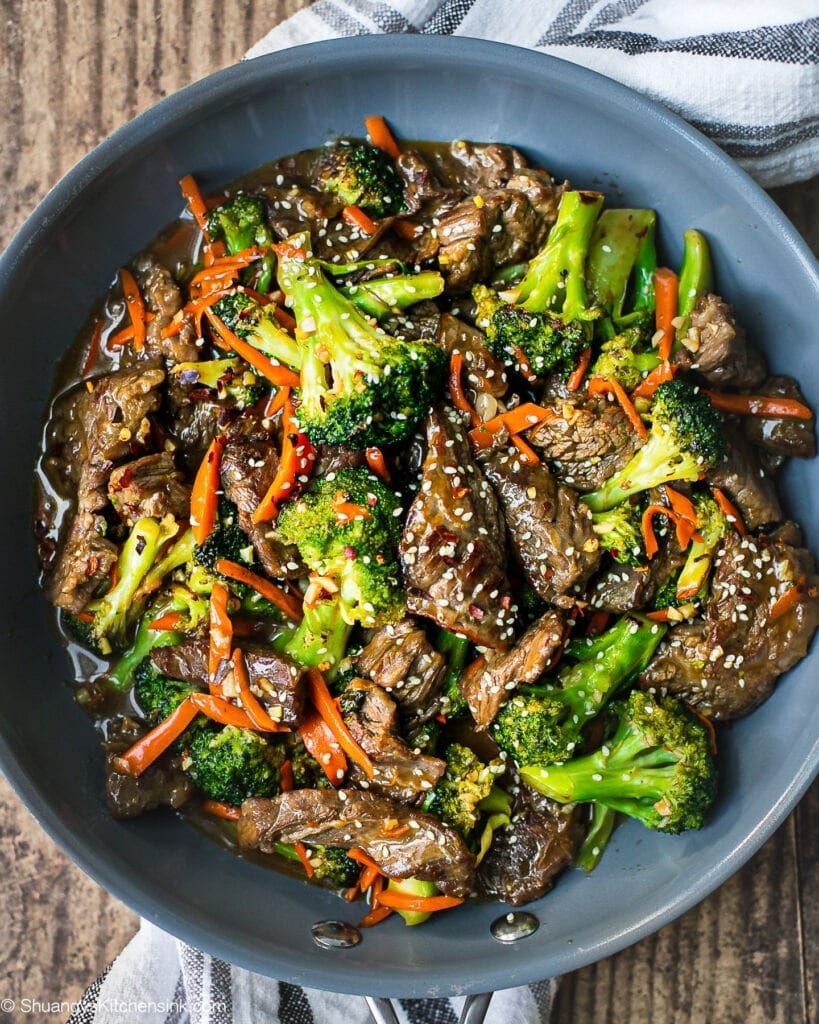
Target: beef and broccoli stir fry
column 414, row 523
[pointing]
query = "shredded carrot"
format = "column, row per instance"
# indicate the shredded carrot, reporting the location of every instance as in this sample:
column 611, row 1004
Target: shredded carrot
column 196, row 204
column 456, row 390
column 351, row 893
column 296, row 462
column 579, row 372
column 402, row 901
column 659, row 375
column 154, row 743
column 687, row 522
column 221, row 810
column 597, row 622
column 357, row 218
column 326, row 706
column 135, row 305
column 649, row 539
column 284, row 319
column 93, row 350
column 322, row 744
column 347, row 511
column 222, row 711
column 375, row 916
column 279, row 375
column 275, row 595
column 660, row 616
column 527, row 453
column 729, row 510
column 406, row 229
column 604, row 385
column 368, row 877
column 250, row 702
column 524, row 417
column 788, row 600
column 276, row 402
column 768, row 406
column 666, row 288
column 381, row 136
column 286, row 780
column 205, row 492
column 85, row 617
column 377, row 463
column 221, row 633
column 309, row 870
column 525, row 366
column 360, row 857
column 170, row 620
column 440, row 717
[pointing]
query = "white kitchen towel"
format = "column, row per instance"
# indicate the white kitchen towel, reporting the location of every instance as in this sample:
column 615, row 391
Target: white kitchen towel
column 159, row 980
column 745, row 72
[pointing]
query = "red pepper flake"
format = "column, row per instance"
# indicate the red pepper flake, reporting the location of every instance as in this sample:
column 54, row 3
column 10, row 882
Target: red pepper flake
column 476, row 612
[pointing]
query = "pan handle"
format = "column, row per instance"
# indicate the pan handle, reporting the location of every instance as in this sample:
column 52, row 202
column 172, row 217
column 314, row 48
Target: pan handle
column 474, row 1010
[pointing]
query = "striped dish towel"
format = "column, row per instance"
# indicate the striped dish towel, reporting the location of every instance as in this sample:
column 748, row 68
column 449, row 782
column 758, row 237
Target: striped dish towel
column 159, row 980
column 745, row 72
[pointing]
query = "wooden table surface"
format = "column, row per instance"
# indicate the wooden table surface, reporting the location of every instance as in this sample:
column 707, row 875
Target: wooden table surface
column 72, row 72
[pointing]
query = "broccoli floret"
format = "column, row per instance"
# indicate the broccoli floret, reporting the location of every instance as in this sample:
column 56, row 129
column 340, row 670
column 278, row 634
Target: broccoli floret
column 425, row 736
column 547, row 342
column 686, row 439
column 382, row 297
column 362, row 175
column 81, row 630
column 626, row 359
column 226, row 540
column 307, row 772
column 622, row 259
column 530, row 604
column 231, row 764
column 241, row 223
column 115, row 611
column 455, row 649
column 347, row 530
column 231, row 379
column 543, row 724
column 548, row 315
column 156, row 694
column 619, row 532
column 712, row 526
column 657, row 767
column 331, row 864
column 257, row 325
column 465, row 783
column 359, row 386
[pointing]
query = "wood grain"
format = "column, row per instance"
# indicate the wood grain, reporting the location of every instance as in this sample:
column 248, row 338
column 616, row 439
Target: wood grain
column 72, row 72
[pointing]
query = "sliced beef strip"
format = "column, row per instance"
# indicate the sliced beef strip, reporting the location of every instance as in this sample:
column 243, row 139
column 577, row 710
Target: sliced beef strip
column 549, row 527
column 487, row 685
column 484, row 371
column 723, row 355
column 778, row 439
column 249, row 463
column 588, row 440
column 400, row 658
column 747, row 484
column 191, row 420
column 477, row 237
column 524, row 859
column 107, row 424
column 727, row 663
column 473, row 166
column 333, row 457
column 82, row 563
column 114, row 420
column 275, row 679
column 623, row 588
column 372, row 718
column 163, row 784
column 453, row 548
column 421, row 185
column 163, row 299
column 150, row 486
column 402, row 841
